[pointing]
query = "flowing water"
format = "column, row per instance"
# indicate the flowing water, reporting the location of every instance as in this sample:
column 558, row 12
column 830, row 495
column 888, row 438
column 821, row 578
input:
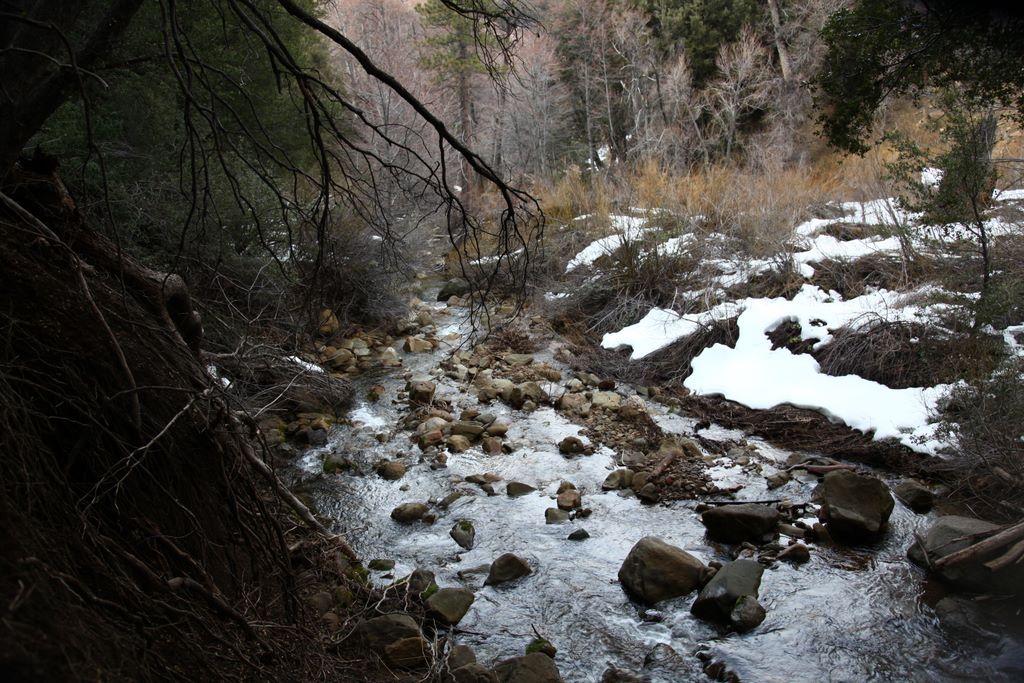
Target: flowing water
column 851, row 614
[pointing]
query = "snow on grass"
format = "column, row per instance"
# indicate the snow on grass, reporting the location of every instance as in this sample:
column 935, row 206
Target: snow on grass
column 661, row 327
column 824, row 247
column 627, row 229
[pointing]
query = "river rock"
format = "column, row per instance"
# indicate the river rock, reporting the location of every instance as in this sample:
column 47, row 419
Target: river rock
column 391, row 470
column 457, row 286
column 574, row 403
column 496, row 429
column 507, row 567
column 854, row 505
column 569, row 499
column 571, row 445
column 616, row 675
column 473, row 673
column 336, row 462
column 747, row 614
column 733, row 581
column 532, row 668
column 797, row 553
column 527, row 391
column 654, row 571
column 420, row 580
column 633, row 409
column 579, row 535
column 421, row 392
column 738, row 523
column 606, row 400
column 417, row 345
column 518, row 358
column 619, row 479
column 464, row 533
column 407, row 513
column 411, row 653
column 381, row 631
column 490, row 389
column 457, row 443
column 555, row 516
column 915, row 495
column 460, row 655
column 518, row 488
column 952, row 533
column 328, row 323
column 467, row 428
column 449, row 605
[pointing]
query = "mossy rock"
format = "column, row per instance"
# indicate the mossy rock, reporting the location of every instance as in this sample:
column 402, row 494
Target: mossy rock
column 541, row 645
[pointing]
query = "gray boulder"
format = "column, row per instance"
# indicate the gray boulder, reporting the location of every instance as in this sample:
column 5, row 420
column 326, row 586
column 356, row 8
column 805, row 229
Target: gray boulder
column 915, row 495
column 654, row 571
column 532, row 668
column 738, row 523
column 381, row 631
column 621, row 478
column 730, row 583
column 747, row 614
column 952, row 533
column 449, row 605
column 507, row 567
column 854, row 505
column 457, row 286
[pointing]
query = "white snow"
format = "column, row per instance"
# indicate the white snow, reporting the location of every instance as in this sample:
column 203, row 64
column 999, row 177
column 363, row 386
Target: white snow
column 305, row 365
column 931, row 177
column 627, row 229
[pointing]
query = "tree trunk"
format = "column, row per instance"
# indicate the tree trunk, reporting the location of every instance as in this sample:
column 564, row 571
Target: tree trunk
column 780, row 44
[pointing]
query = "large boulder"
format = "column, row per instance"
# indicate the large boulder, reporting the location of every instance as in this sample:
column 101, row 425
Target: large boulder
column 718, row 598
column 507, row 567
column 449, row 605
column 854, row 505
column 952, row 533
column 407, row 513
column 384, row 630
column 457, row 286
column 532, row 668
column 654, row 571
column 915, row 495
column 738, row 523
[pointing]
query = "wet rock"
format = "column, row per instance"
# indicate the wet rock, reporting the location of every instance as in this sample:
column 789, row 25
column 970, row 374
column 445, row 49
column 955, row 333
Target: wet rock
column 649, row 494
column 507, row 567
column 417, row 345
column 496, row 429
column 952, row 533
column 532, row 668
column 464, row 533
column 391, row 470
column 407, row 513
column 423, row 318
column 615, row 675
column 411, row 653
column 555, row 516
column 654, row 571
column 473, row 673
column 619, row 479
column 738, row 523
column 481, row 479
column 430, row 439
column 420, row 580
column 457, row 286
column 518, row 358
column 854, row 505
column 460, row 655
column 778, row 479
column 381, row 631
column 491, row 389
column 606, row 400
column 666, row 664
column 467, row 428
column 491, row 445
column 316, row 437
column 572, row 445
column 518, row 488
column 733, row 581
column 579, row 535
column 457, row 443
column 797, row 553
column 915, row 495
column 569, row 499
column 527, row 391
column 449, row 605
column 747, row 614
column 381, row 565
column 574, row 403
column 335, row 462
column 421, row 392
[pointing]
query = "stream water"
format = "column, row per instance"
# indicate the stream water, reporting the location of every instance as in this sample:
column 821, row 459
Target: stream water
column 850, row 614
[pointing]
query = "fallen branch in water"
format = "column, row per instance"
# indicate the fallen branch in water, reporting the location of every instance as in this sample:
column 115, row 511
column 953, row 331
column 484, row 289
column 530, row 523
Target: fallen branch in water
column 1003, row 538
column 1012, row 556
column 820, row 469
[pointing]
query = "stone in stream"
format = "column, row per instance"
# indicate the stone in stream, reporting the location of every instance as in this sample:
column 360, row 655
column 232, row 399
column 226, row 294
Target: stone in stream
column 381, row 631
column 654, row 571
column 481, row 479
column 606, row 400
column 381, row 565
column 473, row 673
column 555, row 516
column 449, row 605
column 532, row 668
column 527, row 391
column 420, row 580
column 457, row 286
column 619, row 479
column 421, row 392
column 952, row 533
column 569, row 499
column 459, row 656
column 571, row 445
column 464, row 533
column 407, row 513
column 518, row 488
column 854, row 505
column 336, row 462
column 417, row 345
column 733, row 581
column 574, row 403
column 457, row 443
column 490, row 389
column 391, row 470
column 491, row 445
column 429, row 439
column 507, row 567
column 496, row 428
column 738, row 523
column 467, row 428
column 747, row 614
column 797, row 553
column 579, row 535
column 915, row 495
column 616, row 675
column 518, row 358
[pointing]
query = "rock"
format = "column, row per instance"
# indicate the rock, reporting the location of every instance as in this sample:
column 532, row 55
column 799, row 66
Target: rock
column 460, row 655
column 667, row 664
column 796, row 553
column 481, row 479
column 339, row 359
column 633, row 409
column 574, row 403
column 491, row 445
column 328, row 324
column 854, row 505
column 457, row 286
column 778, row 479
column 381, row 631
column 421, row 392
column 952, row 533
column 654, row 571
column 316, row 437
column 915, row 495
column 473, row 673
column 335, row 462
column 733, row 581
column 571, row 445
column 527, row 391
column 649, row 493
column 518, row 358
column 532, row 668
column 518, row 488
column 407, row 513
column 488, row 390
column 423, row 318
column 747, row 614
column 449, row 605
column 619, row 479
column 579, row 535
column 409, row 653
column 381, row 565
column 420, row 580
column 738, row 523
column 428, row 439
column 417, row 345
column 391, row 470
column 467, row 428
column 606, row 400
column 321, row 602
column 497, row 429
column 555, row 516
column 569, row 499
column 457, row 443
column 464, row 533
column 507, row 567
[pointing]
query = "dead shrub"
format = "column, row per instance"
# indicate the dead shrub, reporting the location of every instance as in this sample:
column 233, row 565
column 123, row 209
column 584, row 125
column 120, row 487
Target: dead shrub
column 852, row 278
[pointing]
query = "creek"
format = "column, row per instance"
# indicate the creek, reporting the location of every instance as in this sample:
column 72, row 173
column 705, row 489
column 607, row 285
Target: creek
column 849, row 614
